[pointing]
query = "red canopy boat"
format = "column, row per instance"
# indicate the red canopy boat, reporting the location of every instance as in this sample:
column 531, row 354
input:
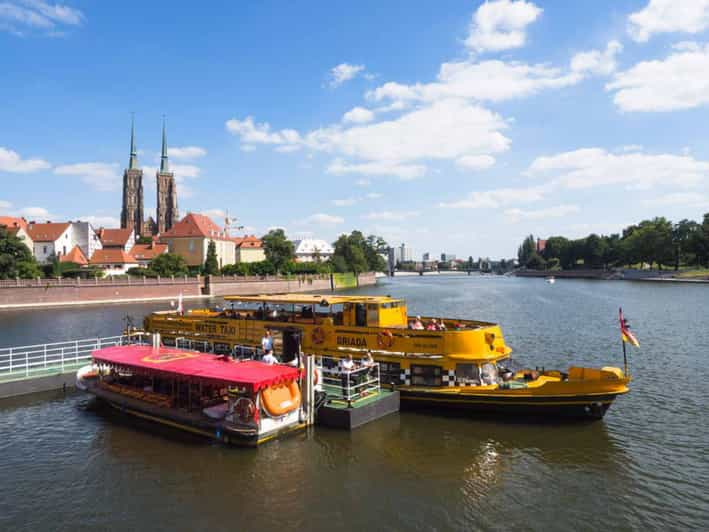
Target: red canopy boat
column 245, row 402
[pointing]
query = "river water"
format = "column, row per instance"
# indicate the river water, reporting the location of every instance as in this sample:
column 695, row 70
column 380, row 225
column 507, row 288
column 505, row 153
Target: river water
column 67, row 463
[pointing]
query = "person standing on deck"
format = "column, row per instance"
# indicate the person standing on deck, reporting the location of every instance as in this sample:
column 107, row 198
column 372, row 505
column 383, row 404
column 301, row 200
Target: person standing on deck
column 267, row 343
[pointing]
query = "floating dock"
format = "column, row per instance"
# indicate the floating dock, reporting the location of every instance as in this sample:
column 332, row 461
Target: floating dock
column 338, row 414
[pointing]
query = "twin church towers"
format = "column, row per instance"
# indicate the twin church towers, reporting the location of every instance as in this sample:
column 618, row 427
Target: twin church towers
column 132, row 216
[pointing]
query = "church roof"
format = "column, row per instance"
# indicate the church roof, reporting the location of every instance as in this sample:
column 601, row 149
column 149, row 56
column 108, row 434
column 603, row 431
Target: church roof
column 76, row 256
column 112, row 256
column 114, row 237
column 46, row 232
column 195, row 225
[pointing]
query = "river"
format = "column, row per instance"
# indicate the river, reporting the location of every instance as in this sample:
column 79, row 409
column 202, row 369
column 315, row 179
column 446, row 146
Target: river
column 66, row 463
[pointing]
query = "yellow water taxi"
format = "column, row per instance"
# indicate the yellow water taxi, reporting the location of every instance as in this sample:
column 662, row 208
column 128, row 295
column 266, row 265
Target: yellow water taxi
column 440, row 363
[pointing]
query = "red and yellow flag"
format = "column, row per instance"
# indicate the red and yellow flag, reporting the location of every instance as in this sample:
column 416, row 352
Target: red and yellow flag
column 625, row 333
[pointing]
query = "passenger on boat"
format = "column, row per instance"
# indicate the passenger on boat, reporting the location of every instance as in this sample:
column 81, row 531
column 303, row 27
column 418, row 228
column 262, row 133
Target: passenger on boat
column 417, row 324
column 267, row 342
column 346, row 367
column 269, row 358
column 488, row 373
column 433, row 325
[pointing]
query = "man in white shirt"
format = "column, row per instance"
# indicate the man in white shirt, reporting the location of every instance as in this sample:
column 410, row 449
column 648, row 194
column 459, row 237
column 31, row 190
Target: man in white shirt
column 267, row 342
column 269, row 359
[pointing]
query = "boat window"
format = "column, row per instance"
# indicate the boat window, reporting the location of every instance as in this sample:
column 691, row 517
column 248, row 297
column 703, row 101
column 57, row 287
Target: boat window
column 426, row 375
column 390, row 372
column 467, row 373
column 373, row 315
column 337, row 313
column 488, row 373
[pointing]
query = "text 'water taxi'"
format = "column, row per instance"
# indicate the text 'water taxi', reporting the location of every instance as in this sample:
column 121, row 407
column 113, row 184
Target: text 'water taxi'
column 447, row 363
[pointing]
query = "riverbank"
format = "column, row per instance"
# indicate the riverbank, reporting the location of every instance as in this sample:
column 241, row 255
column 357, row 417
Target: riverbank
column 614, row 275
column 40, row 293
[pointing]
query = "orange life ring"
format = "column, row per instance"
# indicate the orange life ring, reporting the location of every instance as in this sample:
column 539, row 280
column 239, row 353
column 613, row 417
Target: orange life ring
column 385, row 339
column 245, row 409
column 279, row 399
column 318, row 335
column 316, row 376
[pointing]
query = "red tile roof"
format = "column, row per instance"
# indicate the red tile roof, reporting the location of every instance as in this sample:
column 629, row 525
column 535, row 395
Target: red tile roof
column 47, row 232
column 249, row 242
column 11, row 221
column 195, row 225
column 114, row 237
column 76, row 256
column 112, row 256
column 147, row 251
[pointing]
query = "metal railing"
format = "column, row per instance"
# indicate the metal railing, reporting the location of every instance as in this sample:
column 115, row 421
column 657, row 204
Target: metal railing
column 42, row 359
column 348, row 386
column 112, row 281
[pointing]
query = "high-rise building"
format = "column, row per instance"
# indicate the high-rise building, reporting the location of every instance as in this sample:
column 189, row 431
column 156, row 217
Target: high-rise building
column 426, row 257
column 132, row 211
column 167, row 214
column 403, row 253
column 447, row 257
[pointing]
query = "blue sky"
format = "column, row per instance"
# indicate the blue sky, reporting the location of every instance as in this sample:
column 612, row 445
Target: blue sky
column 453, row 126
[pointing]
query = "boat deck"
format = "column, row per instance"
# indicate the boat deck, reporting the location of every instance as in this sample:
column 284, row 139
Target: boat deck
column 338, row 414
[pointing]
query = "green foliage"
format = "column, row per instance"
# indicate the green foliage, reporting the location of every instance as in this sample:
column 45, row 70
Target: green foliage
column 278, row 249
column 144, row 240
column 525, row 251
column 16, row 259
column 355, row 253
column 656, row 243
column 535, row 262
column 167, row 265
column 211, row 264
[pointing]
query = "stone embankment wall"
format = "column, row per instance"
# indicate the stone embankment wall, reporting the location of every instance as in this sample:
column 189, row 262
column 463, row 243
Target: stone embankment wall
column 61, row 292
column 569, row 274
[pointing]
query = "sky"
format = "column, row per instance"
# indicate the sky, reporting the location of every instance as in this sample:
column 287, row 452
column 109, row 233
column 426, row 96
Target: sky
column 452, row 126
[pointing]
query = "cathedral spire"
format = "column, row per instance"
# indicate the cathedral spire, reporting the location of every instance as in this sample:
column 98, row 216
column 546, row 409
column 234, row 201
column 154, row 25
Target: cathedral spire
column 163, row 156
column 133, row 163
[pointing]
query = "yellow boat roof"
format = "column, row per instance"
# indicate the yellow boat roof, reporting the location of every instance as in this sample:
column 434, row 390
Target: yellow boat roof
column 310, row 299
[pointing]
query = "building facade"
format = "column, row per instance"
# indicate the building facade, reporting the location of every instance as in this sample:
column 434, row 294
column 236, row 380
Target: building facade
column 167, row 213
column 248, row 249
column 312, row 250
column 132, row 211
column 117, row 238
column 54, row 240
column 190, row 239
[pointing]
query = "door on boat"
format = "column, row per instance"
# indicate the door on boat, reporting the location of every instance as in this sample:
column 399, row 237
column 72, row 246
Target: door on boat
column 292, row 339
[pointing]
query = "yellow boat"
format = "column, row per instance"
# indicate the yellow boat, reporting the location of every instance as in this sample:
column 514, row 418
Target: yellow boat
column 440, row 363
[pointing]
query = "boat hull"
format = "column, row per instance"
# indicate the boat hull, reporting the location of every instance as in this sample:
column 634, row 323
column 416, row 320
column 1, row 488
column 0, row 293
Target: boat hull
column 551, row 408
column 194, row 424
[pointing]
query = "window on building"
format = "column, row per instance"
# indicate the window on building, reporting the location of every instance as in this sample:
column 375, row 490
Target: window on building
column 44, row 249
column 191, row 245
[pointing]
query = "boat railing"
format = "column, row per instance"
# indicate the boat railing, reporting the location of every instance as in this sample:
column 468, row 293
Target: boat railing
column 348, row 386
column 57, row 357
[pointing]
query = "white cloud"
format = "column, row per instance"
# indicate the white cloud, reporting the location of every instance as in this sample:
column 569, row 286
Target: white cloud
column 476, row 162
column 402, row 171
column 669, row 16
column 186, row 153
column 559, row 211
column 358, row 115
column 248, row 147
column 492, row 80
column 101, row 176
column 101, row 221
column 5, row 205
column 391, row 215
column 344, row 202
column 18, row 16
column 344, row 72
column 597, row 62
column 363, row 182
column 493, row 199
column 36, row 212
column 680, row 199
column 253, row 133
column 214, row 213
column 182, row 171
column 501, row 25
column 324, row 219
column 680, row 81
column 373, row 195
column 591, row 167
column 10, row 161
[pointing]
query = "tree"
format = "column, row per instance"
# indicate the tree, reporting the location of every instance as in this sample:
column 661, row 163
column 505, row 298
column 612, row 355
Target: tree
column 594, row 249
column 525, row 251
column 535, row 262
column 211, row 263
column 16, row 259
column 168, row 264
column 349, row 254
column 279, row 250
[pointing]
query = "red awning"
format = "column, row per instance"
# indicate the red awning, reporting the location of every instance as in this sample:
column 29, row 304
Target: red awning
column 192, row 364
